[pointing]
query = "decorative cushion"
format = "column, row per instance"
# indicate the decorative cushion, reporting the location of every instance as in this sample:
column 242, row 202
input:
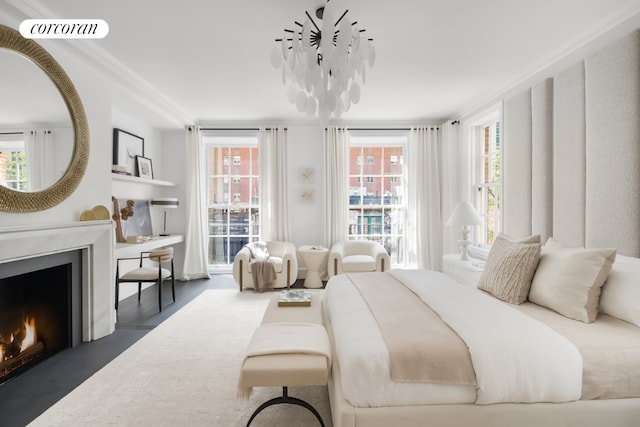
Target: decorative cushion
column 145, row 273
column 621, row 292
column 258, row 250
column 568, row 280
column 355, row 263
column 509, row 268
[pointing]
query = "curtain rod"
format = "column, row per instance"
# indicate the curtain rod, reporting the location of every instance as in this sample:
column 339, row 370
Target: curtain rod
column 11, row 133
column 237, row 128
column 392, row 129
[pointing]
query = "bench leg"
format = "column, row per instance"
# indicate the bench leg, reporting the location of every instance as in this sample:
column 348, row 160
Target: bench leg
column 285, row 399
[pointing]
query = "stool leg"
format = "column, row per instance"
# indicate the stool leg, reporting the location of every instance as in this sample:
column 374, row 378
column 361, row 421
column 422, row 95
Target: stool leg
column 286, row 399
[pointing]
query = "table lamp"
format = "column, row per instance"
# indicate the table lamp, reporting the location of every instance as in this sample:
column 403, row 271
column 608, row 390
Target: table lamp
column 166, row 203
column 464, row 215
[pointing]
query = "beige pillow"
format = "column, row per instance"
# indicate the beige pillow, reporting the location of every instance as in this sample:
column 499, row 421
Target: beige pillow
column 568, row 280
column 510, row 267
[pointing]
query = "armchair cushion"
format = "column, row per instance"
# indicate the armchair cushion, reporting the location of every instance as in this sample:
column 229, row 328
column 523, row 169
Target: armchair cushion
column 355, row 263
column 350, row 256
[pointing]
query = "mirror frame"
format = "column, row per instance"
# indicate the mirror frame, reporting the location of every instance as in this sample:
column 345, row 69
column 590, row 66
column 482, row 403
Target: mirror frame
column 19, row 201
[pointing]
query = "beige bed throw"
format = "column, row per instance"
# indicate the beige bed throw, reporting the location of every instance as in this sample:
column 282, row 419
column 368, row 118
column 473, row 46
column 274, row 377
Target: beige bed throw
column 422, row 348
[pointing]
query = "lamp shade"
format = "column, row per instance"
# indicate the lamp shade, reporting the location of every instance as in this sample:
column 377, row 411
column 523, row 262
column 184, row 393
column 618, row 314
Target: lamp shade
column 166, row 202
column 464, row 214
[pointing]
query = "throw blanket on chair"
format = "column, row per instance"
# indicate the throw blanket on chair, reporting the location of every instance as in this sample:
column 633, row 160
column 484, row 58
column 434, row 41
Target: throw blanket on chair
column 262, row 268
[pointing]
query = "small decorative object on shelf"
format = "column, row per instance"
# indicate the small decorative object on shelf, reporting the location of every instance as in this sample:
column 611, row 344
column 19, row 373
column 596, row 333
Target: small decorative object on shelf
column 120, row 170
column 294, row 298
column 144, row 167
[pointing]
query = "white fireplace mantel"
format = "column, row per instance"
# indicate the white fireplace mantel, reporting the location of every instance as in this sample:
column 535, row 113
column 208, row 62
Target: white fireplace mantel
column 95, row 239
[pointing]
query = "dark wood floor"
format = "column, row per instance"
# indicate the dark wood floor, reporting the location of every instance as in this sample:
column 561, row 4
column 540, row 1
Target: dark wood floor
column 26, row 396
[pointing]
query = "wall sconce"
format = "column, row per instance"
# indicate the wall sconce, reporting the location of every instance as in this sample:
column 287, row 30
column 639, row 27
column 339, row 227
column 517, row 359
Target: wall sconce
column 166, row 203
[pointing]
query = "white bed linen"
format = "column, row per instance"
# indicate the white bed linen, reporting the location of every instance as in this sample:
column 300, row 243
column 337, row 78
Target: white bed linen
column 512, row 372
column 367, row 381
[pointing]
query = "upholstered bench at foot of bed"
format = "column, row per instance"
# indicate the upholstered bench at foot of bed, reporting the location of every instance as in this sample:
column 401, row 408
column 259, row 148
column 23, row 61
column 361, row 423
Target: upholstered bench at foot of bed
column 282, row 369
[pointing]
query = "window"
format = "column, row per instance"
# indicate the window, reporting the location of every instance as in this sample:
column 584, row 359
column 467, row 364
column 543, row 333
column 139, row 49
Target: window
column 377, row 204
column 234, row 222
column 486, row 143
column 13, row 162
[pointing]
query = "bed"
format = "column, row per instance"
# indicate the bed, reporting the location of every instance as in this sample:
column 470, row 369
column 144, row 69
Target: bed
column 534, row 366
column 571, row 175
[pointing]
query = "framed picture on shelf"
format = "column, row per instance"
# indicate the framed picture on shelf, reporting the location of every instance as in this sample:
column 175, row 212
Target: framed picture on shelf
column 144, row 167
column 133, row 218
column 126, row 146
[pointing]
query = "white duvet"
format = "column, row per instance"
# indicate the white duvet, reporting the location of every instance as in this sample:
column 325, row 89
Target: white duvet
column 516, row 358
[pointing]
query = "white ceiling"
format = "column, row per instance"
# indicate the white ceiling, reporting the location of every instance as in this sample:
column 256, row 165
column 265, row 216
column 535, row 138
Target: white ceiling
column 436, row 59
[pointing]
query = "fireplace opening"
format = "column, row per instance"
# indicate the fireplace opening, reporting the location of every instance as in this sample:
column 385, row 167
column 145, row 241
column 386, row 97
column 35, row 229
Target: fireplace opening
column 39, row 310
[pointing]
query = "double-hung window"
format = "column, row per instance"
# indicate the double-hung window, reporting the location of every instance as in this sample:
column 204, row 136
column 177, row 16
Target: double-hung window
column 13, row 161
column 377, row 203
column 232, row 193
column 487, row 171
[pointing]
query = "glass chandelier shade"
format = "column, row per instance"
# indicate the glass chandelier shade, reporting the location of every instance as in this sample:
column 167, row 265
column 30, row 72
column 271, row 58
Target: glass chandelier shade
column 319, row 72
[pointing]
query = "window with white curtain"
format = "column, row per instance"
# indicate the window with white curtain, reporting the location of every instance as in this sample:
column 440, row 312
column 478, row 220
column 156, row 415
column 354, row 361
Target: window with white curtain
column 487, row 172
column 13, row 161
column 377, row 200
column 232, row 193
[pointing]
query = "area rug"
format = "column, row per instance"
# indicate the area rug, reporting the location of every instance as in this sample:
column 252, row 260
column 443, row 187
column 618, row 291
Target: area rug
column 184, row 373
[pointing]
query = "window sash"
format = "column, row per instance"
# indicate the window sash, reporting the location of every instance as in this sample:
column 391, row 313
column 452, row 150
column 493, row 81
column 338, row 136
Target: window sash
column 487, row 182
column 377, row 204
column 232, row 194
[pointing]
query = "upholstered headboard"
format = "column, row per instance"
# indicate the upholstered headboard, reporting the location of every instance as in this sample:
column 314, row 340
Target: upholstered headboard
column 572, row 153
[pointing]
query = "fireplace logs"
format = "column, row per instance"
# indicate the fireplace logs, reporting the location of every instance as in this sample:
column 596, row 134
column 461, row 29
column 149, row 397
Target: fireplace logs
column 12, row 363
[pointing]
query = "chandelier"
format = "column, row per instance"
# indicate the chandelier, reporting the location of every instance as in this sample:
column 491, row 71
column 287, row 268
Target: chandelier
column 320, row 63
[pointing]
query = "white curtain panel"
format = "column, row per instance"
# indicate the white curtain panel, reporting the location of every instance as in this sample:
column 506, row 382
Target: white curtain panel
column 450, row 182
column 336, row 162
column 40, row 156
column 425, row 198
column 195, row 257
column 272, row 160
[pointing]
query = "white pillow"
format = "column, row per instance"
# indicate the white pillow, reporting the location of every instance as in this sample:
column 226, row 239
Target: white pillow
column 621, row 292
column 568, row 280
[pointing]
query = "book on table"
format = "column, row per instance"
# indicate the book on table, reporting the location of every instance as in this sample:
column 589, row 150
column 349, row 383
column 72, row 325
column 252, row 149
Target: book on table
column 294, row 298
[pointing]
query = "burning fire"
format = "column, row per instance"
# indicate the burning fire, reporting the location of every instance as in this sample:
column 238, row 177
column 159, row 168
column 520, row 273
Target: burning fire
column 30, row 334
column 21, row 340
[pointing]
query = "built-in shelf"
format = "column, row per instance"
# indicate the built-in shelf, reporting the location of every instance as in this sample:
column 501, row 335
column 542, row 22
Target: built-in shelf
column 129, row 178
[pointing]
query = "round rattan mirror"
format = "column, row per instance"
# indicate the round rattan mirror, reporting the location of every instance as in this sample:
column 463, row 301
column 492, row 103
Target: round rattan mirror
column 21, row 201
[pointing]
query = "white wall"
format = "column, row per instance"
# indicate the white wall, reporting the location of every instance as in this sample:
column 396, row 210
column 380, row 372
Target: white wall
column 306, row 217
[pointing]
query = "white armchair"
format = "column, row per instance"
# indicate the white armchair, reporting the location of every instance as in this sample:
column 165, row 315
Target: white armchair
column 350, row 256
column 285, row 260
